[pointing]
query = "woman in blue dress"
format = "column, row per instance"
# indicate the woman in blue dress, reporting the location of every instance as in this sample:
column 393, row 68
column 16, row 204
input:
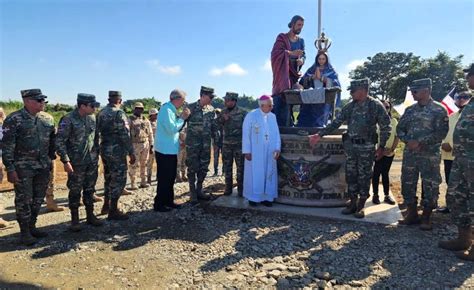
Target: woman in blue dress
column 319, row 76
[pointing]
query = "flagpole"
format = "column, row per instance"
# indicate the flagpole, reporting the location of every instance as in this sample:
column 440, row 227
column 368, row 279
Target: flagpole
column 319, row 17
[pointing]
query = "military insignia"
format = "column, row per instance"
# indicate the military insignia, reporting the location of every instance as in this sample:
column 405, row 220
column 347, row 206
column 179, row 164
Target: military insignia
column 304, row 175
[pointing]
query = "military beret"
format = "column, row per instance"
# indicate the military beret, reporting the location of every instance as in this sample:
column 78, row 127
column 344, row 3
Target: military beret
column 362, row 83
column 88, row 99
column 231, row 96
column 469, row 70
column 115, row 94
column 153, row 111
column 207, row 91
column 33, row 93
column 138, row 105
column 420, row 84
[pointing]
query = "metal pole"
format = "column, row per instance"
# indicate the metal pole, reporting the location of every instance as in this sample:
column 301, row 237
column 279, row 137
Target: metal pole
column 319, row 17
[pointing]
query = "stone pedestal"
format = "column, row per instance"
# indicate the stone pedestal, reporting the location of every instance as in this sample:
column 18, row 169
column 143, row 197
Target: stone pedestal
column 311, row 176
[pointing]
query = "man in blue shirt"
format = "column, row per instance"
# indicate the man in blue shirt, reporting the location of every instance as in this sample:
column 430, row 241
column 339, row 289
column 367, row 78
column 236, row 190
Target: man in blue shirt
column 166, row 149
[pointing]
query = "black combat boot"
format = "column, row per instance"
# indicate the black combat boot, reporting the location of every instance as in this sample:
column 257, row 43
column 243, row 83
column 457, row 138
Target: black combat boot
column 106, row 206
column 461, row 243
column 411, row 217
column 75, row 226
column 360, row 208
column 115, row 213
column 426, row 219
column 91, row 218
column 33, row 230
column 26, row 238
column 351, row 207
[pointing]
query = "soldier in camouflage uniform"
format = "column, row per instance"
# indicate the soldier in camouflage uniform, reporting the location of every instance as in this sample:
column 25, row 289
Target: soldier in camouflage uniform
column 116, row 144
column 181, row 165
column 231, row 121
column 217, row 146
column 152, row 115
column 461, row 183
column 28, row 148
column 201, row 128
column 422, row 128
column 3, row 223
column 362, row 115
column 142, row 140
column 77, row 145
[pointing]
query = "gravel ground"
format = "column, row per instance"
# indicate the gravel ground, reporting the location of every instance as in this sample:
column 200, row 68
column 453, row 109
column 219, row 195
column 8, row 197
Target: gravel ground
column 206, row 247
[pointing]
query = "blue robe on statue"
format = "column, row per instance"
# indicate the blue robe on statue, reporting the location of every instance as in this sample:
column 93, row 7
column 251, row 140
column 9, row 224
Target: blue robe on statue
column 318, row 115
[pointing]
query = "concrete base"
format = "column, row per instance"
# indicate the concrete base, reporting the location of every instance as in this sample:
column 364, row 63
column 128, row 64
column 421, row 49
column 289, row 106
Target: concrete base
column 382, row 213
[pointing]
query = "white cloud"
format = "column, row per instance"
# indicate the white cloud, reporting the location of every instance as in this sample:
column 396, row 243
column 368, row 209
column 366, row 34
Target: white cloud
column 169, row 70
column 267, row 66
column 355, row 63
column 233, row 69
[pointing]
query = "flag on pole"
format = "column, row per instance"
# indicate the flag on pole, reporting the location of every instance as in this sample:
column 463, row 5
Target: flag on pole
column 448, row 102
column 407, row 103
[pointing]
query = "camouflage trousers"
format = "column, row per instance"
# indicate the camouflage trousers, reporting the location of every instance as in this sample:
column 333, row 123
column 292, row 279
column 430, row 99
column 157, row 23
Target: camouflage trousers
column 416, row 164
column 181, row 162
column 115, row 175
column 216, row 150
column 142, row 153
column 359, row 166
column 460, row 196
column 52, row 179
column 198, row 157
column 83, row 179
column 231, row 153
column 30, row 192
column 149, row 166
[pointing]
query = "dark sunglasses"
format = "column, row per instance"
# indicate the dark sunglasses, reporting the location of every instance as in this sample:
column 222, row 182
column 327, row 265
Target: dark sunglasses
column 41, row 101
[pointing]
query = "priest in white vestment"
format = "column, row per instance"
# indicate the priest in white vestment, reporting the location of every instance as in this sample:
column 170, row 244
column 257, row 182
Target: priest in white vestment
column 261, row 147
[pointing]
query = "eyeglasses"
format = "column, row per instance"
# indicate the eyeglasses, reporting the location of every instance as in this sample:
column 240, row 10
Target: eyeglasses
column 41, row 101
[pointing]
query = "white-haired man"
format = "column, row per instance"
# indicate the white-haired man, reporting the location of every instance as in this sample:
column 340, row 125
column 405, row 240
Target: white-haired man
column 261, row 147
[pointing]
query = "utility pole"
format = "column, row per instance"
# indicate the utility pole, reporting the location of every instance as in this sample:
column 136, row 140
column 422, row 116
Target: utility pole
column 319, row 16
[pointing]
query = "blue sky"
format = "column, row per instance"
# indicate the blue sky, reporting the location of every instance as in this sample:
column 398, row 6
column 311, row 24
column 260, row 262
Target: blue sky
column 147, row 48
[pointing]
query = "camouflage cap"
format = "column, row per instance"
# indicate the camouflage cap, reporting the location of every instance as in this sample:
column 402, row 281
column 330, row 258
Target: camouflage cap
column 115, row 94
column 88, row 99
column 356, row 84
column 420, row 84
column 138, row 105
column 153, row 111
column 33, row 93
column 208, row 91
column 231, row 96
column 469, row 70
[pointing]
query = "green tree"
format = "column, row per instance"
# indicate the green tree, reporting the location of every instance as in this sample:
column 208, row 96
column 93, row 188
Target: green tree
column 444, row 71
column 383, row 69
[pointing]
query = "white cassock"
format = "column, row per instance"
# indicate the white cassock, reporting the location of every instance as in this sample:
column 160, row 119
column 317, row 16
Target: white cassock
column 261, row 138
